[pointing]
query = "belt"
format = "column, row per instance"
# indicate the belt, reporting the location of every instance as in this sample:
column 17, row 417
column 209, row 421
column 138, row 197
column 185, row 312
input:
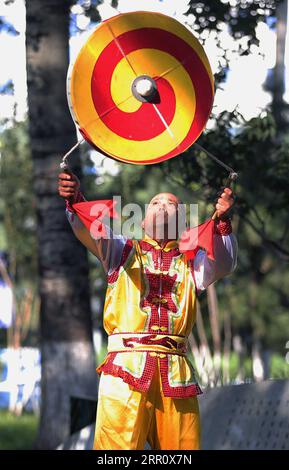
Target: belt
column 130, row 342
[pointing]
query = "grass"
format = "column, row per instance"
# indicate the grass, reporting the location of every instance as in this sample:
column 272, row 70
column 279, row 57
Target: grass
column 17, row 432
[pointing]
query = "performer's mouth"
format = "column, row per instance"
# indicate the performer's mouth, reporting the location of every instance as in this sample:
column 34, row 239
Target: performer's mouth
column 161, row 217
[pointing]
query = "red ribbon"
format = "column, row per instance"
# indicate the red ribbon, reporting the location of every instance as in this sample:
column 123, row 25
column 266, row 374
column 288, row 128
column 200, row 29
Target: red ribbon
column 92, row 212
column 198, row 237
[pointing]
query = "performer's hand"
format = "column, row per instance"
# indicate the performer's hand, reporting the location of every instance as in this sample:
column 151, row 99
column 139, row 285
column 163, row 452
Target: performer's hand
column 68, row 185
column 224, row 203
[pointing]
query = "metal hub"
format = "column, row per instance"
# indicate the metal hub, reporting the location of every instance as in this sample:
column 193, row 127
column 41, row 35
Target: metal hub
column 144, row 88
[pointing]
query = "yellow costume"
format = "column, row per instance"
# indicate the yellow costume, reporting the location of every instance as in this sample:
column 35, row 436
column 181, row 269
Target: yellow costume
column 151, row 296
column 147, row 388
column 127, row 418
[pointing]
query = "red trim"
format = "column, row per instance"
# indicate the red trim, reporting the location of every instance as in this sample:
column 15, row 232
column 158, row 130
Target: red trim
column 145, row 246
column 69, row 207
column 159, row 312
column 167, row 256
column 142, row 384
column 111, row 278
column 146, row 351
column 223, row 227
column 78, row 198
column 142, row 333
column 148, row 301
column 192, row 269
column 183, row 391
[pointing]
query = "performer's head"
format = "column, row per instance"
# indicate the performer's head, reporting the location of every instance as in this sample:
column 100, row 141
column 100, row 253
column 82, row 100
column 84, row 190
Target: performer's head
column 163, row 217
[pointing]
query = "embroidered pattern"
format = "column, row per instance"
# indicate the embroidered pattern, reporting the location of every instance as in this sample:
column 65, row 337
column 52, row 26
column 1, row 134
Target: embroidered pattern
column 78, row 198
column 182, row 391
column 142, row 383
column 112, row 277
column 223, row 227
column 159, row 299
column 156, row 277
column 151, row 339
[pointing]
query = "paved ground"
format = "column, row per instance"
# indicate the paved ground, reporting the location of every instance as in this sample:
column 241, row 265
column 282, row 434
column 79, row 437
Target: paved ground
column 254, row 416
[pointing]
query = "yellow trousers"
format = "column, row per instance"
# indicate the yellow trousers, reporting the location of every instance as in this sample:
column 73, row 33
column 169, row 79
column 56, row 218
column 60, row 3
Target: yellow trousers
column 127, row 418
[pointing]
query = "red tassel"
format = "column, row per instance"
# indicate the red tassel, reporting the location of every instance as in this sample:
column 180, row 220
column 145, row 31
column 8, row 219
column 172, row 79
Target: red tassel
column 92, row 212
column 198, row 237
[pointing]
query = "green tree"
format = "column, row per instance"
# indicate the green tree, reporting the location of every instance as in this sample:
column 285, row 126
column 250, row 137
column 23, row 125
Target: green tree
column 68, row 367
column 18, row 219
column 18, row 202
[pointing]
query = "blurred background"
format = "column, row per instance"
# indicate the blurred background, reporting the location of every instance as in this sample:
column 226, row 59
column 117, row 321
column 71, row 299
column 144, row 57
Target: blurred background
column 52, row 291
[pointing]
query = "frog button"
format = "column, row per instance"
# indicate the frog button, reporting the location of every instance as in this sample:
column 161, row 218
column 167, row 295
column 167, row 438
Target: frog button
column 163, row 301
column 154, row 327
column 163, row 328
column 153, row 354
column 162, row 355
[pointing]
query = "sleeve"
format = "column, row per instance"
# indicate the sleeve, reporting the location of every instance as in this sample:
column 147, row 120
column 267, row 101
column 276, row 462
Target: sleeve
column 107, row 250
column 207, row 271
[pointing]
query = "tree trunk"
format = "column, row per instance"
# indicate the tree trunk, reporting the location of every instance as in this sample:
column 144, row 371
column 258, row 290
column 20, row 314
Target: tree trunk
column 239, row 350
column 207, row 372
column 227, row 347
column 215, row 328
column 68, row 363
column 257, row 363
column 279, row 107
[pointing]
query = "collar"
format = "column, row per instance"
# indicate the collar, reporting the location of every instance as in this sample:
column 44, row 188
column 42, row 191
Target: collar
column 170, row 245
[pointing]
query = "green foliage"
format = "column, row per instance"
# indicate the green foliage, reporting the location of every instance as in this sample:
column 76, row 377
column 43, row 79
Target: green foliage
column 17, row 432
column 92, row 12
column 17, row 207
column 240, row 16
column 255, row 295
column 279, row 368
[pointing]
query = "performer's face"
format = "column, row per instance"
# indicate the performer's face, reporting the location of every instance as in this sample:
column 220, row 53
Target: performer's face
column 161, row 219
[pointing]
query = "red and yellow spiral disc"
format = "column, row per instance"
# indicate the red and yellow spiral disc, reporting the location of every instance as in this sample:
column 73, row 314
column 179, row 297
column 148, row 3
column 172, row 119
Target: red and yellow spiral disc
column 100, row 82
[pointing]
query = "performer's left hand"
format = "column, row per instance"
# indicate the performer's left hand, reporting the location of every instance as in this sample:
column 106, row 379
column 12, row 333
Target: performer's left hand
column 224, row 203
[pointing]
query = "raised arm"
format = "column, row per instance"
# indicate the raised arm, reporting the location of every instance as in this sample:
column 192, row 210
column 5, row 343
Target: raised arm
column 207, row 271
column 108, row 250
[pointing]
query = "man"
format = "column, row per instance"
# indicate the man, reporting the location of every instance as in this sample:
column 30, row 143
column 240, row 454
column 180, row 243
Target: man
column 147, row 390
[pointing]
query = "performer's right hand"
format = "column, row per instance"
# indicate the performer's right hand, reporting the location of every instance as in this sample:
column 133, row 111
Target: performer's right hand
column 68, row 185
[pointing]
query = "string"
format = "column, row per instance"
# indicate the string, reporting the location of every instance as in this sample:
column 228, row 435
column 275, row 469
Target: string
column 232, row 172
